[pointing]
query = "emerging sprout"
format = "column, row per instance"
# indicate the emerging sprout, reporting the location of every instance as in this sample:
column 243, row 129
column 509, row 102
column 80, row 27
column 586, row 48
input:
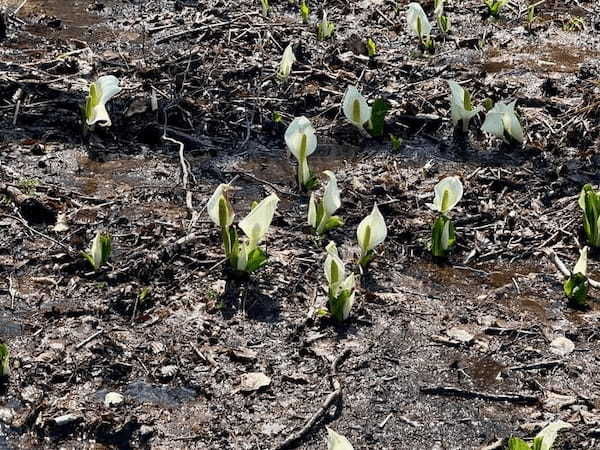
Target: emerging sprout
column 461, row 107
column 304, row 11
column 502, row 121
column 265, row 7
column 301, row 140
column 341, row 288
column 320, row 214
column 4, row 361
column 325, row 29
column 577, row 285
column 443, row 21
column 448, row 193
column 101, row 91
column 419, row 24
column 371, row 47
column 100, row 250
column 243, row 256
column 355, row 108
column 287, row 60
column 494, row 6
column 544, row 439
column 370, row 233
column 336, row 441
column 589, row 202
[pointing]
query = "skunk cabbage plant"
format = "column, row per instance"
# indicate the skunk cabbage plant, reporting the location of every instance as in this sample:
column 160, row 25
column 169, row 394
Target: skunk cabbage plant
column 417, row 22
column 341, row 288
column 577, row 285
column 325, row 28
column 447, row 193
column 247, row 256
column 301, row 140
column 336, row 441
column 101, row 91
column 320, row 214
column 355, row 108
column 370, row 233
column 287, row 60
column 461, row 107
column 100, row 250
column 4, row 361
column 589, row 202
column 544, row 439
column 502, row 121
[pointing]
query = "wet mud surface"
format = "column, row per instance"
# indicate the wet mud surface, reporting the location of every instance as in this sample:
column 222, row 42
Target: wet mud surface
column 481, row 323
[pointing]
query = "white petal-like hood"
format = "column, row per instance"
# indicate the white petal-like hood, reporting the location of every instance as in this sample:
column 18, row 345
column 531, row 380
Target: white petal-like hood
column 103, row 90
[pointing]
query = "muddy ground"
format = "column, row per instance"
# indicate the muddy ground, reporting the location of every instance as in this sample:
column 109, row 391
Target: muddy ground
column 434, row 356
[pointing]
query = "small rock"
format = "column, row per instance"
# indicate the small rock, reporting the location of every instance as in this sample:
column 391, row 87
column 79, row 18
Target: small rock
column 168, row 371
column 562, row 346
column 6, row 415
column 253, row 381
column 67, row 419
column 460, row 335
column 113, row 398
column 31, row 394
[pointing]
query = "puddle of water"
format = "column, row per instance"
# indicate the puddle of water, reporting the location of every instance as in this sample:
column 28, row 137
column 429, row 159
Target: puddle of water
column 64, row 20
column 10, row 328
column 280, row 169
column 484, row 371
column 551, row 58
column 142, row 392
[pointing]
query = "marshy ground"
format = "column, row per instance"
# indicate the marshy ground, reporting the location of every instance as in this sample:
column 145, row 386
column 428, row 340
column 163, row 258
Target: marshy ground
column 434, row 356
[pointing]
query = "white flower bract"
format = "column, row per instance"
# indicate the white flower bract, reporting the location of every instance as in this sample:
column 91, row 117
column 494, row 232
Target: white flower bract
column 355, row 107
column 502, row 120
column 448, row 193
column 101, row 91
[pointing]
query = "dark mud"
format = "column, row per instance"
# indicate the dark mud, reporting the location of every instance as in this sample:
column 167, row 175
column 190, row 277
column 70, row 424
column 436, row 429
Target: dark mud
column 481, row 323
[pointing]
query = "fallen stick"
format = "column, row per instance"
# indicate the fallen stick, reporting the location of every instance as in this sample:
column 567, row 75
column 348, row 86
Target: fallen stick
column 330, row 400
column 501, row 397
column 563, row 269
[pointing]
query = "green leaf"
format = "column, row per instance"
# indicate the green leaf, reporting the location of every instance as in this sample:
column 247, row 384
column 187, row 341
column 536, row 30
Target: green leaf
column 378, row 111
column 439, row 243
column 576, row 288
column 515, row 443
column 336, row 304
column 332, row 222
column 396, row 142
column 371, row 47
column 4, row 361
column 304, row 11
column 256, row 259
column 488, row 104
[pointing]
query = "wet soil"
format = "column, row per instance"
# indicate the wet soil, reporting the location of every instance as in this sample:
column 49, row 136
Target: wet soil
column 452, row 355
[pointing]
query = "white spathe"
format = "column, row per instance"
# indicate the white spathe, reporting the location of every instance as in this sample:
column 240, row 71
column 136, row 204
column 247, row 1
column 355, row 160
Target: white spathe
column 371, row 231
column 448, row 193
column 331, row 198
column 355, row 107
column 336, row 441
column 335, row 270
column 287, row 60
column 458, row 108
column 96, row 250
column 256, row 224
column 417, row 20
column 101, row 91
column 582, row 262
column 301, row 140
column 502, row 119
column 212, row 207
